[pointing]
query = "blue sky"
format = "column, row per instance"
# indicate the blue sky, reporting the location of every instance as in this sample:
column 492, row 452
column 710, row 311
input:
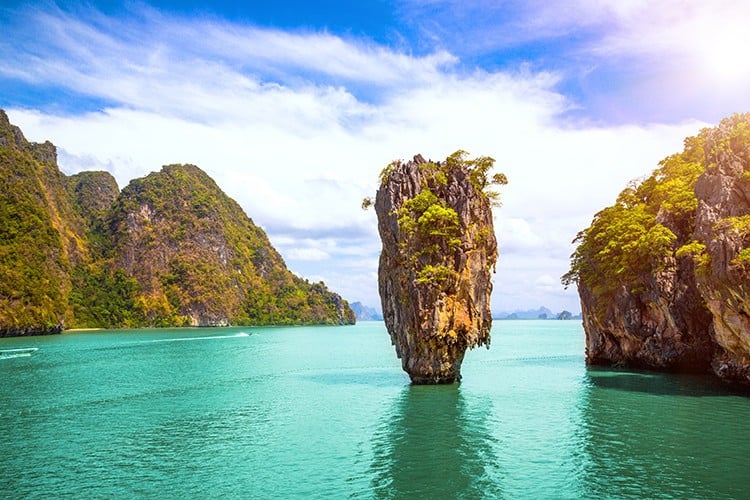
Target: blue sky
column 294, row 107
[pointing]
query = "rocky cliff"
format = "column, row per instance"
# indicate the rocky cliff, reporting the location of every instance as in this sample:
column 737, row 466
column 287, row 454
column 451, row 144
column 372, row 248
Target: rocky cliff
column 40, row 237
column 171, row 249
column 663, row 273
column 439, row 249
column 199, row 260
column 722, row 233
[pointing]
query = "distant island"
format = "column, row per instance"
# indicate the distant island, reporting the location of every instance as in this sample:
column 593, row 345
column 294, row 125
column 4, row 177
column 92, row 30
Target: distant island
column 540, row 313
column 365, row 313
column 170, row 249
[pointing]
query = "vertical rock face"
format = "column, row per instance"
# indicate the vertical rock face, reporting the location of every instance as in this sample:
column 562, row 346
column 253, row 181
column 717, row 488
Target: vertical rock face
column 439, row 250
column 723, row 226
column 663, row 274
column 664, row 325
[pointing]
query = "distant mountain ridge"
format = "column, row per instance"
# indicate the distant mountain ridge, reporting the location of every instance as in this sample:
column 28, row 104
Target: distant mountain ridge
column 540, row 313
column 365, row 313
column 170, row 249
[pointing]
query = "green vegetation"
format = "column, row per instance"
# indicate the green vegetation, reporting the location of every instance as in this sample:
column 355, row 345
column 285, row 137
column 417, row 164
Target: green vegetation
column 743, row 258
column 697, row 251
column 652, row 223
column 34, row 263
column 388, row 170
column 431, row 233
column 739, row 224
column 732, row 137
column 431, row 230
column 434, row 274
column 479, row 169
column 92, row 194
column 430, row 226
column 170, row 250
column 101, row 298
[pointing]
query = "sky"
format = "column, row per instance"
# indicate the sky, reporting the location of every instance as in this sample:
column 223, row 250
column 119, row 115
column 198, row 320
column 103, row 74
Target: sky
column 294, row 107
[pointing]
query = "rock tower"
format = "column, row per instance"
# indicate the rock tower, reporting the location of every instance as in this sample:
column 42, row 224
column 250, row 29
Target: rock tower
column 439, row 250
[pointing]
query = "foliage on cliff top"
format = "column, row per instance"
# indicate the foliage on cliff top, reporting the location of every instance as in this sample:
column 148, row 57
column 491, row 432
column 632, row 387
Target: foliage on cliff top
column 431, row 229
column 653, row 220
column 479, row 169
column 649, row 221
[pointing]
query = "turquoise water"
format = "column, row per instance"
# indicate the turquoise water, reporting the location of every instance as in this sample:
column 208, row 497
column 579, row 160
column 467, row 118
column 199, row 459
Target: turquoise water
column 328, row 413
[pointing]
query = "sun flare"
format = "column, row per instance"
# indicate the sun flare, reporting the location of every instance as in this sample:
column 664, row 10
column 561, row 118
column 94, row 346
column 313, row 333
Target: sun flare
column 724, row 56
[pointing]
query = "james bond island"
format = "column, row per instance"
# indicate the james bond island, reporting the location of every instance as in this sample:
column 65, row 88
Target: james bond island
column 663, row 273
column 439, row 250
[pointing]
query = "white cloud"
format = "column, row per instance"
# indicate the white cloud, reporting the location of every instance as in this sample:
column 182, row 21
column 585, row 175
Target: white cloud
column 547, row 283
column 516, row 233
column 313, row 254
column 300, row 156
column 200, row 68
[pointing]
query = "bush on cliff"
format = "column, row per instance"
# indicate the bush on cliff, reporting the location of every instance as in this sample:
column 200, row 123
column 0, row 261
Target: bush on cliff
column 650, row 221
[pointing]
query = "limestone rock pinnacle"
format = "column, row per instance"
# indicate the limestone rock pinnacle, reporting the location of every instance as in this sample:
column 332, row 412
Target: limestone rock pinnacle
column 439, row 250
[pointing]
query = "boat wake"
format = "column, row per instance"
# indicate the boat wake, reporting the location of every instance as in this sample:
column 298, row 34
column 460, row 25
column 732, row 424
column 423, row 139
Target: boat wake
column 188, row 339
column 17, row 353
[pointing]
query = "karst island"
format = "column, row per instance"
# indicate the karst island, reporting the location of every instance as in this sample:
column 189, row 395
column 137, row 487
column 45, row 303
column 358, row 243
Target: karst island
column 170, row 249
column 439, row 251
column 663, row 273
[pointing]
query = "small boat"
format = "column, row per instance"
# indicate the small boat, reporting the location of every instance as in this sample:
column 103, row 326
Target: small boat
column 15, row 353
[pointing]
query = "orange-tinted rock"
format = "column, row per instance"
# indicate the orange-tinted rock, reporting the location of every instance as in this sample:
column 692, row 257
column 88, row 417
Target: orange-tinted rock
column 435, row 267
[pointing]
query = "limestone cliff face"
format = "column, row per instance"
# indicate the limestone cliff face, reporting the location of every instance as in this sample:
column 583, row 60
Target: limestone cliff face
column 662, row 325
column 168, row 235
column 199, row 260
column 439, row 250
column 723, row 193
column 663, row 274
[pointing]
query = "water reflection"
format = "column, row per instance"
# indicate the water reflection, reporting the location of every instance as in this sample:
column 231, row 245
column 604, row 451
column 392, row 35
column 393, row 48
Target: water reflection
column 659, row 436
column 433, row 444
column 661, row 384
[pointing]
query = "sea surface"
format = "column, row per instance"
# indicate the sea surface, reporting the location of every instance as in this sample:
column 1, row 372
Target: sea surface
column 326, row 412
